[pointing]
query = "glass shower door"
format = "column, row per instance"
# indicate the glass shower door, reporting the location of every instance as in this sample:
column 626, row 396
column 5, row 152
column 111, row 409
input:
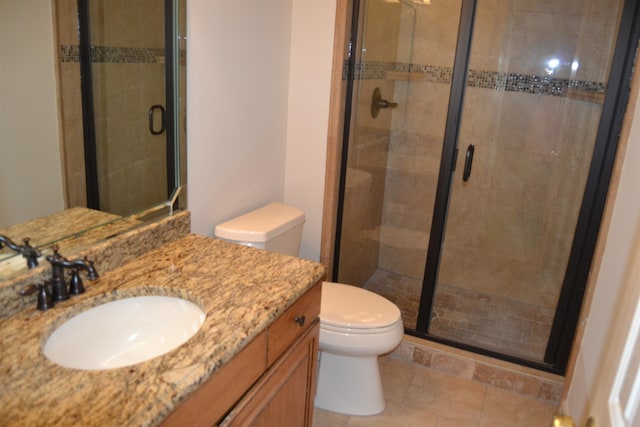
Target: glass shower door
column 406, row 51
column 130, row 112
column 532, row 105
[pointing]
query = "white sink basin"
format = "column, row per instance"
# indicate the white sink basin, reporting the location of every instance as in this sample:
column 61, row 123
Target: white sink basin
column 124, row 332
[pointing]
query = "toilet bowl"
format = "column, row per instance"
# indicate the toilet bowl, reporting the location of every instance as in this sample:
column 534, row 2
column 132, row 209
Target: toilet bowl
column 356, row 325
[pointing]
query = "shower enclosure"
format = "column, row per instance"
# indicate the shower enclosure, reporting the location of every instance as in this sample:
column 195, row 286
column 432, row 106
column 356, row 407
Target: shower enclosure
column 477, row 133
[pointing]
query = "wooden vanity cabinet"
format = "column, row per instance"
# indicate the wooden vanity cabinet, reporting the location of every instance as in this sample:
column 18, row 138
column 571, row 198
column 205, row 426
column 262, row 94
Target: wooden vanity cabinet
column 271, row 382
column 284, row 395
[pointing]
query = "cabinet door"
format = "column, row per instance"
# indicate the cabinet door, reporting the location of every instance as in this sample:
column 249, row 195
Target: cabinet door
column 212, row 400
column 284, row 396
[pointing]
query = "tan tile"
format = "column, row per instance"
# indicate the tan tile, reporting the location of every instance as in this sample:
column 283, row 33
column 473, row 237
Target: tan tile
column 403, row 352
column 453, row 366
column 67, row 21
column 396, row 377
column 505, row 409
column 447, row 396
column 434, row 399
column 448, row 422
column 322, row 418
column 422, row 356
column 550, row 392
column 507, row 380
column 382, row 23
column 394, row 415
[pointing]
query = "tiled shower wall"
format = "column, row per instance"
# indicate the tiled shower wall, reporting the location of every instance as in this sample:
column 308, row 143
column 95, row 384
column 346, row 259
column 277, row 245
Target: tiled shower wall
column 368, row 152
column 510, row 226
column 128, row 72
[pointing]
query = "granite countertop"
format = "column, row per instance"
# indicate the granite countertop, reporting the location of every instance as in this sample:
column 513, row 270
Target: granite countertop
column 74, row 229
column 241, row 289
column 51, row 228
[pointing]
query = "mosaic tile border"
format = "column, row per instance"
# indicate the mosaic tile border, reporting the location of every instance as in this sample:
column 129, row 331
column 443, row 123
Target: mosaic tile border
column 509, row 82
column 115, row 55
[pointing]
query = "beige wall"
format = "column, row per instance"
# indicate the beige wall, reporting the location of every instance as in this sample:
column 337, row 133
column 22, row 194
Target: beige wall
column 237, row 102
column 30, row 176
column 258, row 93
column 308, row 114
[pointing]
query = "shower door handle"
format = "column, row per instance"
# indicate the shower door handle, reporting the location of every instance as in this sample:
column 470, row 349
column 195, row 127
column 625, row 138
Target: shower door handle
column 151, row 115
column 468, row 162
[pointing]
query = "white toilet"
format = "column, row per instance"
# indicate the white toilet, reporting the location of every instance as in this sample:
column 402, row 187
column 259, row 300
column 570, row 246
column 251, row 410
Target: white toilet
column 356, row 325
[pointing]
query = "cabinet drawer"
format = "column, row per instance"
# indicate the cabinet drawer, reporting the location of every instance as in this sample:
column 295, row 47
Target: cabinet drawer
column 293, row 323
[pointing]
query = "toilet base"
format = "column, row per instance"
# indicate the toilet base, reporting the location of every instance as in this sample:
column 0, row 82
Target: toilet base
column 349, row 385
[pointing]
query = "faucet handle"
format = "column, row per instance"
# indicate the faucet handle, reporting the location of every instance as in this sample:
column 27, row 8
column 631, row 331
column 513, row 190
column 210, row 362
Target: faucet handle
column 56, row 255
column 76, row 287
column 45, row 300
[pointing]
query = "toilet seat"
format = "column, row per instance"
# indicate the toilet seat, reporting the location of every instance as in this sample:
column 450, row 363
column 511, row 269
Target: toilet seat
column 353, row 310
column 360, row 331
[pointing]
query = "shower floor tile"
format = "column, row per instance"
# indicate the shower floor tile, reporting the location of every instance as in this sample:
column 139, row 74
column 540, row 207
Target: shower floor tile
column 418, row 396
column 470, row 317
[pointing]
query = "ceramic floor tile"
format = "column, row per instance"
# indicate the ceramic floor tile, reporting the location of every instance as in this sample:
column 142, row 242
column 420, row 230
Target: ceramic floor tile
column 448, row 422
column 450, row 397
column 396, row 377
column 322, row 418
column 505, row 409
column 418, row 396
column 394, row 415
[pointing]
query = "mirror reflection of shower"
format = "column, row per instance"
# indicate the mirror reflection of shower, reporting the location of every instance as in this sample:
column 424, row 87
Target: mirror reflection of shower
column 121, row 80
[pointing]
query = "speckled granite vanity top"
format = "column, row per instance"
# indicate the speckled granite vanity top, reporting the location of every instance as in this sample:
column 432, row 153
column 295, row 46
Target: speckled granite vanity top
column 241, row 289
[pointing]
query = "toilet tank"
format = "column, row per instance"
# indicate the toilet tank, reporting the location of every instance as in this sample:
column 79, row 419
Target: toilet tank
column 275, row 227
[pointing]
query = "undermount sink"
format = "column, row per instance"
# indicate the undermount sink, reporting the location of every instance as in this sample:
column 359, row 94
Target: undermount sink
column 124, row 332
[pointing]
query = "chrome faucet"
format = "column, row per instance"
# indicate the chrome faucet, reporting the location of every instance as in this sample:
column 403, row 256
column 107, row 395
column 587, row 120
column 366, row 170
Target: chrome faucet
column 30, row 253
column 59, row 290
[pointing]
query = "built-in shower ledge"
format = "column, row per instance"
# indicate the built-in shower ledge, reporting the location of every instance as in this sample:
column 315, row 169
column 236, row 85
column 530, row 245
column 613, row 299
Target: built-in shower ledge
column 398, row 237
column 518, row 379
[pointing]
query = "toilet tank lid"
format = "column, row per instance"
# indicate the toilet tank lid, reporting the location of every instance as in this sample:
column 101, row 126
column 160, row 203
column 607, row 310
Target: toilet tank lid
column 261, row 224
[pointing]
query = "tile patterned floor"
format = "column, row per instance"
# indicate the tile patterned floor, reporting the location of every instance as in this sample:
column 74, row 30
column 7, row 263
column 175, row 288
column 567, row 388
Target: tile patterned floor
column 487, row 321
column 419, row 396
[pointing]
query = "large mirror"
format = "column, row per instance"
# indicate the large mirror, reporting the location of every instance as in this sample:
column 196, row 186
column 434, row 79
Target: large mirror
column 92, row 117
